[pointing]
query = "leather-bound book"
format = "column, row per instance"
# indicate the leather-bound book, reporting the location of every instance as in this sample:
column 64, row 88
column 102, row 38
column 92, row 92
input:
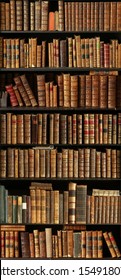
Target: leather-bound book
column 88, row 244
column 95, row 244
column 100, row 244
column 109, row 244
column 72, row 202
column 48, row 238
column 81, row 201
column 44, row 15
column 101, row 16
column 19, row 19
column 36, row 243
column 42, row 244
column 26, row 15
column 31, row 245
column 25, row 246
column 13, row 15
column 61, row 16
column 41, row 90
column 63, row 129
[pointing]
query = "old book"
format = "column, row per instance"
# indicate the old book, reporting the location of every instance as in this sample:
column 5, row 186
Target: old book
column 42, row 244
column 41, row 90
column 13, row 15
column 66, row 89
column 31, row 245
column 109, row 244
column 61, row 16
column 88, row 92
column 83, row 244
column 81, row 202
column 53, row 163
column 19, row 210
column 13, row 99
column 95, row 244
column 72, row 202
column 100, row 243
column 65, row 163
column 63, row 53
column 66, row 204
column 36, row 243
column 25, row 247
column 115, row 246
column 28, row 90
column 74, row 128
column 88, row 244
column 63, row 129
column 19, row 20
column 22, row 91
column 26, row 15
column 77, row 244
column 44, row 15
column 48, row 238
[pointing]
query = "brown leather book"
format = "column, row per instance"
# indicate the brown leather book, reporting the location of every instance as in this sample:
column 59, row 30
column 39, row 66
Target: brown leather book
column 36, row 243
column 109, row 244
column 19, row 20
column 88, row 244
column 72, row 203
column 81, row 201
column 25, row 246
column 42, row 244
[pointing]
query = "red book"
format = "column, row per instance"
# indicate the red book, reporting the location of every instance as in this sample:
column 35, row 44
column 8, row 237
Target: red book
column 13, row 99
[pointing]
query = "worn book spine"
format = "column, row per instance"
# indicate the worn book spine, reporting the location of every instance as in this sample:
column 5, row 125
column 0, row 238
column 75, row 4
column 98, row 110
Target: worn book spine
column 109, row 244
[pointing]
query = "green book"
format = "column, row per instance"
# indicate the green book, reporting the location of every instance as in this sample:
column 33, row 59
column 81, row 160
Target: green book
column 2, row 204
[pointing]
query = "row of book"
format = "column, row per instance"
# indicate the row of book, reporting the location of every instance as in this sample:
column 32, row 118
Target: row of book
column 95, row 90
column 60, row 128
column 69, row 52
column 63, row 244
column 44, row 205
column 69, row 16
column 48, row 162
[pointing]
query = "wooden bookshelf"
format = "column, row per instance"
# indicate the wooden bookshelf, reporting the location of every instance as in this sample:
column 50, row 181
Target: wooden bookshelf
column 73, row 156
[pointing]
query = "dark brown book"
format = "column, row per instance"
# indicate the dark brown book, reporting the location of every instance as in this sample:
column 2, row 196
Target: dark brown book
column 25, row 246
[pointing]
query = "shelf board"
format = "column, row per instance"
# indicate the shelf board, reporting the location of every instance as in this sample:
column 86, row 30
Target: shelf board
column 60, row 179
column 61, row 145
column 53, row 32
column 49, row 224
column 58, row 69
column 57, row 109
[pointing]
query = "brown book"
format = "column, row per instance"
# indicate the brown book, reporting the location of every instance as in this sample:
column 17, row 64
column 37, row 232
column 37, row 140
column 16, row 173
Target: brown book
column 100, row 243
column 41, row 90
column 13, row 15
column 61, row 16
column 66, row 89
column 25, row 15
column 88, row 244
column 81, row 202
column 22, row 91
column 37, row 15
column 88, row 93
column 113, row 241
column 63, row 129
column 72, row 202
column 44, row 15
column 48, row 238
column 109, row 244
column 42, row 244
column 19, row 15
column 118, row 23
column 95, row 244
column 28, row 90
column 36, row 243
column 25, row 247
column 31, row 245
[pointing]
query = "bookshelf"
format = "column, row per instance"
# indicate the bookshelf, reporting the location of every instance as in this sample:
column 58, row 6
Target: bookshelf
column 65, row 142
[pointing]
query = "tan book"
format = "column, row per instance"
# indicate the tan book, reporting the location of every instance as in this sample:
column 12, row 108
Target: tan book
column 41, row 90
column 36, row 243
column 48, row 238
column 66, row 89
column 12, row 15
column 44, row 15
column 72, row 203
column 109, row 244
column 26, row 15
column 19, row 19
column 28, row 90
